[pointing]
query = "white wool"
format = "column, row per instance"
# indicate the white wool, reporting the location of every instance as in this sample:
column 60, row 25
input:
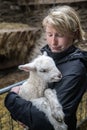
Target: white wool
column 43, row 71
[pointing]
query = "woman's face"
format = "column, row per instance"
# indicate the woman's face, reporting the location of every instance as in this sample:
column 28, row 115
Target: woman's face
column 56, row 41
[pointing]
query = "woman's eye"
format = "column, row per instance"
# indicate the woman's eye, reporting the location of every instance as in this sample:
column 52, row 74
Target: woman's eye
column 56, row 35
column 50, row 35
column 59, row 35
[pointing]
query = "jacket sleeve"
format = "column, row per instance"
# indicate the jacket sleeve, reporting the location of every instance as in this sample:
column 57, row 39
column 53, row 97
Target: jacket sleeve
column 23, row 111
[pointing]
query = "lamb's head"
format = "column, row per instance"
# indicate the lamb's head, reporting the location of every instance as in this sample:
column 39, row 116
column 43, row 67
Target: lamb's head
column 44, row 67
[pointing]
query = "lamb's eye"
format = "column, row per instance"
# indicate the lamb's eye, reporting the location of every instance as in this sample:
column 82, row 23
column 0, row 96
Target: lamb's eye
column 43, row 70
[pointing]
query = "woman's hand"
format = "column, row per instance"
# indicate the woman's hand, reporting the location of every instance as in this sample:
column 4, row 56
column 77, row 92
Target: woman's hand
column 15, row 89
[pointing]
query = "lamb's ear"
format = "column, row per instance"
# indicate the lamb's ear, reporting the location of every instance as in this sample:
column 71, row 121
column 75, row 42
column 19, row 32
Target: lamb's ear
column 27, row 67
column 45, row 53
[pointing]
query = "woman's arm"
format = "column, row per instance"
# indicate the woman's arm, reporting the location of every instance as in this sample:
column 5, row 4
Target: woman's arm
column 23, row 111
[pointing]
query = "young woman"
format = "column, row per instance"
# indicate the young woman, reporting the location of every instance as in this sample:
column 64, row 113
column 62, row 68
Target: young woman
column 63, row 32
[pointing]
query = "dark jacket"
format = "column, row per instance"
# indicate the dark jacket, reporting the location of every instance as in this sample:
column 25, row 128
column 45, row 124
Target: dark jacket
column 72, row 63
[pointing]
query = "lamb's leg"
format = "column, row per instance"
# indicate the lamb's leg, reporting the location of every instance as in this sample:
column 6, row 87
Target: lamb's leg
column 57, row 125
column 56, row 107
column 43, row 105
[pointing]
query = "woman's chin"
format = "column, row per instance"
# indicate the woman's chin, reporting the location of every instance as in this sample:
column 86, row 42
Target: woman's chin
column 56, row 50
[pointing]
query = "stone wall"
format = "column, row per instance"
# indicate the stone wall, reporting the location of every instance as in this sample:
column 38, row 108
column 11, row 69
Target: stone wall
column 11, row 12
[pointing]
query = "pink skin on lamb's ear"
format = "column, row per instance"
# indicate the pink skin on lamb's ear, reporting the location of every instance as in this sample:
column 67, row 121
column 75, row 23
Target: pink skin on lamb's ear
column 27, row 67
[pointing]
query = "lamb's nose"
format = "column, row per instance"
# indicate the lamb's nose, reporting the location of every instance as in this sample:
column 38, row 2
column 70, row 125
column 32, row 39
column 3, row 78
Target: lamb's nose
column 60, row 75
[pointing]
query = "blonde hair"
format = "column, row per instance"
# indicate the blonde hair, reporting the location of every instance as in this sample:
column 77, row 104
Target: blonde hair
column 65, row 19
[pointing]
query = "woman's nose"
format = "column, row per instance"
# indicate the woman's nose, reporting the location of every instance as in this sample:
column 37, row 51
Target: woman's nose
column 54, row 40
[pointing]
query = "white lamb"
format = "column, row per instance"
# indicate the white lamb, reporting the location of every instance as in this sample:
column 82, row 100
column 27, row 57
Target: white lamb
column 42, row 71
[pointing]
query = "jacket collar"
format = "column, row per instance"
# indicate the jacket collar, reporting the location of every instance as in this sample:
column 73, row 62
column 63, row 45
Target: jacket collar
column 58, row 56
column 70, row 54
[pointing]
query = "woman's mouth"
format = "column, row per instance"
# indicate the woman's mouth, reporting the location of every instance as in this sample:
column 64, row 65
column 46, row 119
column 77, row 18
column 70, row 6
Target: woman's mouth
column 56, row 49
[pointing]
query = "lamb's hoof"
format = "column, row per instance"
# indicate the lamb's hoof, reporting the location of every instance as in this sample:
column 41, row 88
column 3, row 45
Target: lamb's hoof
column 58, row 119
column 58, row 115
column 48, row 92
